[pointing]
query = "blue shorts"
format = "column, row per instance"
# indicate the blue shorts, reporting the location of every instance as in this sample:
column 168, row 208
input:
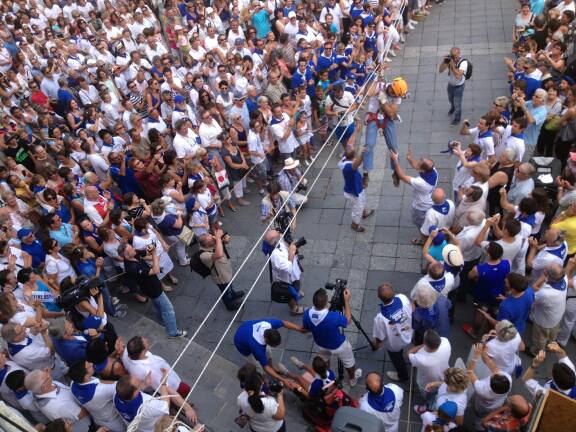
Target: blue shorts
column 344, row 133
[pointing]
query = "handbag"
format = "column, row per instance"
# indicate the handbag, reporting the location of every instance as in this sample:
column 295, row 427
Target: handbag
column 222, row 179
column 186, row 236
column 553, row 124
column 280, row 292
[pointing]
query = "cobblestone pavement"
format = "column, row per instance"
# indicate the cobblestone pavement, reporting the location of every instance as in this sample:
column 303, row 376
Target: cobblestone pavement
column 383, row 253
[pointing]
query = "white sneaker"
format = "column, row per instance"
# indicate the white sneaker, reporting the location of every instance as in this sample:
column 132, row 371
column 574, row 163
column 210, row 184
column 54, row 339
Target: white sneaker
column 387, row 59
column 413, row 22
column 391, row 53
column 411, row 27
column 282, row 369
column 393, row 375
column 357, row 376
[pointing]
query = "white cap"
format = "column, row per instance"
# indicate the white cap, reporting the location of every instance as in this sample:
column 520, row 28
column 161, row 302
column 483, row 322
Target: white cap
column 291, row 14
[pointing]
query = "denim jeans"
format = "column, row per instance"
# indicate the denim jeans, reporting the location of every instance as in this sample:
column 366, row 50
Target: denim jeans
column 455, row 94
column 391, row 139
column 228, row 298
column 165, row 313
column 371, row 137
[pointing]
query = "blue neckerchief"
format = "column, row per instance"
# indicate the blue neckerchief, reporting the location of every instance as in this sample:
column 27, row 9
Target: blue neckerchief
column 486, row 134
column 3, row 373
column 393, row 311
column 383, row 402
column 267, row 248
column 571, row 394
column 560, row 251
column 128, row 409
column 429, row 316
column 459, row 165
column 443, row 208
column 519, row 135
column 99, row 367
column 274, row 120
column 84, row 392
column 438, row 284
column 530, row 219
column 559, row 285
column 431, row 178
column 20, row 394
column 14, row 349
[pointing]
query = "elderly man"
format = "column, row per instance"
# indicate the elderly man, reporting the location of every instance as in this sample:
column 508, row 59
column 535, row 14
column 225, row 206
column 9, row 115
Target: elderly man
column 423, row 185
column 342, row 103
column 214, row 257
column 552, row 251
column 281, row 127
column 290, row 179
column 440, row 215
column 383, row 400
column 55, row 400
column 473, row 198
column 549, row 306
column 129, row 398
column 457, row 68
column 535, row 111
column 393, row 329
column 522, row 183
column 96, row 206
column 286, row 267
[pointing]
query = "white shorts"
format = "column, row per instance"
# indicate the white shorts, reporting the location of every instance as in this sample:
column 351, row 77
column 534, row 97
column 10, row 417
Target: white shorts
column 344, row 353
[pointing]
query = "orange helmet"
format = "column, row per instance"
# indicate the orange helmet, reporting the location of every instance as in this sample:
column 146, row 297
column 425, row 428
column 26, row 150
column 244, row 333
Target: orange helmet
column 399, row 87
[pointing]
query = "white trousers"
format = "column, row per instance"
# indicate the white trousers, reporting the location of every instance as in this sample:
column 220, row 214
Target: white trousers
column 358, row 205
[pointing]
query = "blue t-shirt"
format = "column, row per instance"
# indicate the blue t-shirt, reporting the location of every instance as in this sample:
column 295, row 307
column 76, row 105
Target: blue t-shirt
column 36, row 251
column 166, row 225
column 491, row 281
column 249, row 338
column 126, row 183
column 352, row 179
column 325, row 327
column 261, row 21
column 516, row 310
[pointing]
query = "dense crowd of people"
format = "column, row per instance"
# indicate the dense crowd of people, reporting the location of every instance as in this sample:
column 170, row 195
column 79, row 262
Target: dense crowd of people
column 129, row 130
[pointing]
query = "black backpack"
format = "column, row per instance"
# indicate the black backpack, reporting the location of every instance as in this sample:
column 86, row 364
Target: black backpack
column 197, row 266
column 469, row 68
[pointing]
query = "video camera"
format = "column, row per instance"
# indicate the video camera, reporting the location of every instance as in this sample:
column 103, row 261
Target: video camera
column 72, row 294
column 300, row 242
column 337, row 300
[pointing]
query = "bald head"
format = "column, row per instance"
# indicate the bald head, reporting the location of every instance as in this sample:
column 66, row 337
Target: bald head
column 272, row 236
column 519, row 406
column 553, row 236
column 426, row 165
column 438, row 196
column 385, row 292
column 374, row 382
column 555, row 272
column 91, row 192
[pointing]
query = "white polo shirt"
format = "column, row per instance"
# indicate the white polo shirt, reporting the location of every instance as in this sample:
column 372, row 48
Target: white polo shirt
column 422, row 195
column 391, row 414
column 186, row 145
column 484, row 397
column 514, row 141
column 99, row 404
column 151, row 363
column 209, row 133
column 32, row 353
column 504, row 353
column 396, row 333
column 547, row 256
column 484, row 141
column 61, row 404
column 431, row 365
column 153, row 409
column 549, row 306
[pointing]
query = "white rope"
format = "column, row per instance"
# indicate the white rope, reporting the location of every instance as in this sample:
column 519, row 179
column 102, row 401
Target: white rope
column 133, row 426
column 213, row 352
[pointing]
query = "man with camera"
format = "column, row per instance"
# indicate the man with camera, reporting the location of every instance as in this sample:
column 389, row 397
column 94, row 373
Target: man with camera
column 279, row 201
column 285, row 266
column 326, row 327
column 146, row 277
column 353, row 186
column 457, row 68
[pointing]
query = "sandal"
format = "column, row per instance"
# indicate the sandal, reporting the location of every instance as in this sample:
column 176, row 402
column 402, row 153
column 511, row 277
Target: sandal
column 357, row 228
column 367, row 213
column 417, row 242
column 298, row 310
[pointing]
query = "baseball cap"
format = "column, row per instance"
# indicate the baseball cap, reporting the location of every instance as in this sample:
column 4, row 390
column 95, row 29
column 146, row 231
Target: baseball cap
column 238, row 41
column 449, row 409
column 178, row 99
column 440, row 237
column 291, row 14
column 23, row 232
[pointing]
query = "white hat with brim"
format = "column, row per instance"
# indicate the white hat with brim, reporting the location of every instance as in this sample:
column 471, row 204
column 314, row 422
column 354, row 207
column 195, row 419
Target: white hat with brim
column 291, row 163
column 452, row 255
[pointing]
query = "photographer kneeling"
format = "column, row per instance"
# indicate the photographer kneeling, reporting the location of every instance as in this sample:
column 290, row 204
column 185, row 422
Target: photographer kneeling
column 285, row 267
column 325, row 326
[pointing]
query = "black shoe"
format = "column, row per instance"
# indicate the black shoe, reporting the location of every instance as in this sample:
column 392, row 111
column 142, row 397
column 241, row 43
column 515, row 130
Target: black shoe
column 233, row 306
column 238, row 294
column 454, row 123
column 451, row 111
column 395, row 179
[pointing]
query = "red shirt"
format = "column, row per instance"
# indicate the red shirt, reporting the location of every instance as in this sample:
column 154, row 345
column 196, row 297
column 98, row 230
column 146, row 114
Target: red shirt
column 149, row 184
column 39, row 98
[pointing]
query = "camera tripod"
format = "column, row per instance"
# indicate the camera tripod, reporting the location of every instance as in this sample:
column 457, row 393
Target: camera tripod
column 359, row 327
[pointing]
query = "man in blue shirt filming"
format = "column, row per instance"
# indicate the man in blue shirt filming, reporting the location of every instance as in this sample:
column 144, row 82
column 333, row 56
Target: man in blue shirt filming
column 325, row 326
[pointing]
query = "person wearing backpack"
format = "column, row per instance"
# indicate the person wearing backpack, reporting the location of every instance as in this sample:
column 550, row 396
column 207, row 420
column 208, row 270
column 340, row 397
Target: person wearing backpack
column 214, row 257
column 459, row 71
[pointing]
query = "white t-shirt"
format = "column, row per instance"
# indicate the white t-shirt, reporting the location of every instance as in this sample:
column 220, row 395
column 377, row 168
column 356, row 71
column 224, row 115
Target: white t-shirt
column 546, row 257
column 467, row 237
column 285, row 145
column 153, row 409
column 460, row 399
column 209, row 133
column 255, row 145
column 485, row 399
column 101, row 406
column 484, row 141
column 462, row 65
column 61, row 267
column 261, row 422
column 389, row 418
column 440, row 219
column 431, row 365
column 444, row 285
column 549, row 306
column 186, row 145
column 515, row 142
column 504, row 353
column 151, row 363
column 422, row 196
column 341, row 106
column 396, row 333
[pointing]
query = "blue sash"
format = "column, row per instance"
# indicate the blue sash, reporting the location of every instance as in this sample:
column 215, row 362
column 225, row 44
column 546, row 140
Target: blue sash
column 84, row 392
column 530, row 219
column 393, row 312
column 571, row 394
column 14, row 349
column 560, row 251
column 431, row 178
column 558, row 285
column 443, row 208
column 128, row 409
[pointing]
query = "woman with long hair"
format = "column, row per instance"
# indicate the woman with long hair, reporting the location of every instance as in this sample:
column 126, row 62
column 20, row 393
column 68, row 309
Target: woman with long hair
column 265, row 413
